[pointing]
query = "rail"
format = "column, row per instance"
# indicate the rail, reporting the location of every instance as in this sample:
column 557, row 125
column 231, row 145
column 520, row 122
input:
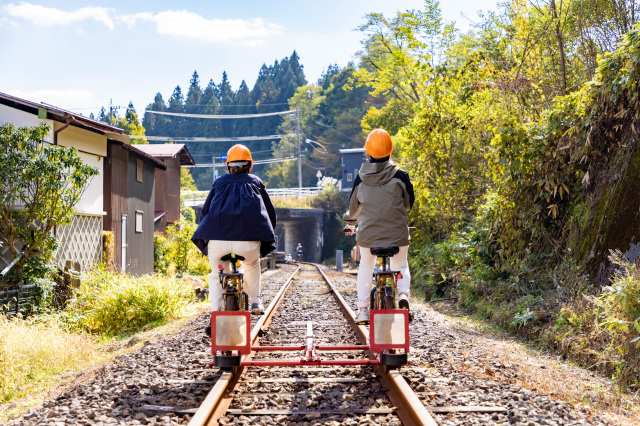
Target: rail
column 197, row 197
column 218, row 400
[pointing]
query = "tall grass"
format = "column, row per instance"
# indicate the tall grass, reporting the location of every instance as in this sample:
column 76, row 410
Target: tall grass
column 31, row 352
column 109, row 304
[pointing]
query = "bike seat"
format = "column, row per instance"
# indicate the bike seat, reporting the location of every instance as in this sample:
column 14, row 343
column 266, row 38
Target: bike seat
column 231, row 256
column 384, row 251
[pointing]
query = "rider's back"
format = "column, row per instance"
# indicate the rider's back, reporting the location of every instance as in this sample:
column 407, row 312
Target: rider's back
column 235, row 210
column 381, row 197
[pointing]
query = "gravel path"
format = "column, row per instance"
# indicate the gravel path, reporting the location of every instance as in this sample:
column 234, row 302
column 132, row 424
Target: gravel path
column 452, row 366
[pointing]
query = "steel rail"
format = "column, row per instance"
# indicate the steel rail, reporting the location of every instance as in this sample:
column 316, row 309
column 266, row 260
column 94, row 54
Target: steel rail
column 214, row 403
column 410, row 409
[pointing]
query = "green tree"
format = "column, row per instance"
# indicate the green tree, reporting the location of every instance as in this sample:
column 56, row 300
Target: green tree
column 40, row 184
column 131, row 125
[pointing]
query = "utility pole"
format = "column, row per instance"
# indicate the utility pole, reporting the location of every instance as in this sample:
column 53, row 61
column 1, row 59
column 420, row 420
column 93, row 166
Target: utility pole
column 299, row 154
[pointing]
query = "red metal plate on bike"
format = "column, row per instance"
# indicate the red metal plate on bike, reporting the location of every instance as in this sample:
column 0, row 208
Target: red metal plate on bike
column 388, row 329
column 231, row 331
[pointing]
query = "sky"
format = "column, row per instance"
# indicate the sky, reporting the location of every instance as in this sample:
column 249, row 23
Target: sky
column 81, row 56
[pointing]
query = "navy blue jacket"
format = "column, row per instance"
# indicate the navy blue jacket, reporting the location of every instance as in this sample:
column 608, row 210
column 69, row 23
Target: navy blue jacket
column 238, row 208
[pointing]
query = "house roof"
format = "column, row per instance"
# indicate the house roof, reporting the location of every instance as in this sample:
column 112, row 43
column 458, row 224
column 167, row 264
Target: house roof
column 169, row 150
column 134, row 148
column 352, row 151
column 59, row 114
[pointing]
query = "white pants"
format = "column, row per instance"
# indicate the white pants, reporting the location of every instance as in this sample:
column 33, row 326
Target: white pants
column 365, row 274
column 250, row 250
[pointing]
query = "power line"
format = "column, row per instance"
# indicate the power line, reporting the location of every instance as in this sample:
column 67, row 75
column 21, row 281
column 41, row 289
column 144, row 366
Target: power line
column 235, row 116
column 269, row 161
column 199, row 139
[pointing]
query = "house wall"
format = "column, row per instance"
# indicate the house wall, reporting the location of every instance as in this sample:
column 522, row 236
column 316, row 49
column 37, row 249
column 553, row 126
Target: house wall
column 20, row 118
column 141, row 197
column 115, row 202
column 172, row 189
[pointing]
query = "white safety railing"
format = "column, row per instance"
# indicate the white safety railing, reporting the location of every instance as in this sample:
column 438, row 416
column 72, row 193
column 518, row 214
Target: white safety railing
column 193, row 198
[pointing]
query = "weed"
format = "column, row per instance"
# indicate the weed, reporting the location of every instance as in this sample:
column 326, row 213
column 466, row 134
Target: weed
column 109, row 303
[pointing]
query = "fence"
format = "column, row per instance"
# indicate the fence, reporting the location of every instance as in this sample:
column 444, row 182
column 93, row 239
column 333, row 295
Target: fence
column 80, row 242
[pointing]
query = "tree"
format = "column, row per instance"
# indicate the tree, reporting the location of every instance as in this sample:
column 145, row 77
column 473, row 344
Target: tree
column 131, row 125
column 186, row 181
column 40, row 184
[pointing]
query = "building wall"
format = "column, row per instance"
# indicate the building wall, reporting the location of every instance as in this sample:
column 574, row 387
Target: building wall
column 172, row 189
column 351, row 163
column 141, row 198
column 115, row 202
column 21, row 118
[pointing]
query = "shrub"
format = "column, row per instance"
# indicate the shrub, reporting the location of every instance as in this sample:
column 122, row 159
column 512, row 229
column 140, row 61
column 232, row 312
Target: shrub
column 110, row 304
column 30, row 352
column 161, row 253
column 620, row 310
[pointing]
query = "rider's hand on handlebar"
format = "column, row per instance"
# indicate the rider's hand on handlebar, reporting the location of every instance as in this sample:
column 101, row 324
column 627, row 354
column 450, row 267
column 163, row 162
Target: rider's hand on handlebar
column 349, row 230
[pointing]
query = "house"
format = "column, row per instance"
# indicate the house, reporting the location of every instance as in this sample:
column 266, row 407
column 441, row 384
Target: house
column 129, row 182
column 352, row 159
column 125, row 186
column 81, row 241
column 167, row 182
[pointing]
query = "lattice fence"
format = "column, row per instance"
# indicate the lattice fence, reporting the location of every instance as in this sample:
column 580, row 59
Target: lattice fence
column 80, row 242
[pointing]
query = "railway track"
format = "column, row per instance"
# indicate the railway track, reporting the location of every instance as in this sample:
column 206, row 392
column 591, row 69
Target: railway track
column 167, row 380
column 309, row 307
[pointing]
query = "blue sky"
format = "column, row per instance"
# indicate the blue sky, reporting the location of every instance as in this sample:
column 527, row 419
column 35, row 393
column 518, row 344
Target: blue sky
column 80, row 55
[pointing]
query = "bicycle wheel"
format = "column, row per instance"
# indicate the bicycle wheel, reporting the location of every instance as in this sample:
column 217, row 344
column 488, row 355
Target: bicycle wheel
column 388, row 302
column 231, row 303
column 244, row 301
column 373, row 299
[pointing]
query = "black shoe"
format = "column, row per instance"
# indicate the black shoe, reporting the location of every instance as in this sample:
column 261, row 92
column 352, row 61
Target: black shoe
column 207, row 331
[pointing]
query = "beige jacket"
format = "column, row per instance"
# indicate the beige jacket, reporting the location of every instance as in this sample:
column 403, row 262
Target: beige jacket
column 382, row 196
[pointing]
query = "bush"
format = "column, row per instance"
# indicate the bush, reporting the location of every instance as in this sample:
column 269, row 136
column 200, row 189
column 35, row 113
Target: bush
column 30, row 352
column 161, row 253
column 110, row 304
column 620, row 309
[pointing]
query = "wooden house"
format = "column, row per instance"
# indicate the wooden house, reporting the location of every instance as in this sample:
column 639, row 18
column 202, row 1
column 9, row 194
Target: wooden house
column 129, row 181
column 167, row 182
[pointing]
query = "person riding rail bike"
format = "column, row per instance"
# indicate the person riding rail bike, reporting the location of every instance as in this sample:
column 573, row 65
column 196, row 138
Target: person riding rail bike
column 381, row 197
column 237, row 217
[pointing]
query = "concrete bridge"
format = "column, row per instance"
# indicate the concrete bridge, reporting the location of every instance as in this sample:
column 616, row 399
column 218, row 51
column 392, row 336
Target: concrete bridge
column 304, row 226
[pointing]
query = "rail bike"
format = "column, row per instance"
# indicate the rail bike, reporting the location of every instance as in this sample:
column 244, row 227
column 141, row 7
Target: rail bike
column 231, row 344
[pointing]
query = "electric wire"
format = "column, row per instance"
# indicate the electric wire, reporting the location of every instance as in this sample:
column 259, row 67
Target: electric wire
column 234, row 116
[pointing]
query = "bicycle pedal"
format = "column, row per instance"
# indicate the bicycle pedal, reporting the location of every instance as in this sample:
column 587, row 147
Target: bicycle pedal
column 362, row 322
column 257, row 313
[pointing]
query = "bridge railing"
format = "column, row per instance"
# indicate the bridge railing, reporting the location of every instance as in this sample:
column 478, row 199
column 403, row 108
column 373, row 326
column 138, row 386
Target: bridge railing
column 191, row 197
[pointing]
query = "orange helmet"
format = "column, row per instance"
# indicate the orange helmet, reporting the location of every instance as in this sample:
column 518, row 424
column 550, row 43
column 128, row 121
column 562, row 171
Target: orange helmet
column 379, row 144
column 239, row 153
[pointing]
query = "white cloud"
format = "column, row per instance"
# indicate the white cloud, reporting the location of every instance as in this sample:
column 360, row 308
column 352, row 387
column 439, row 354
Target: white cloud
column 190, row 25
column 72, row 99
column 49, row 16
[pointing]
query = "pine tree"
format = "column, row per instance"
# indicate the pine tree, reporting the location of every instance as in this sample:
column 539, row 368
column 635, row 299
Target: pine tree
column 192, row 106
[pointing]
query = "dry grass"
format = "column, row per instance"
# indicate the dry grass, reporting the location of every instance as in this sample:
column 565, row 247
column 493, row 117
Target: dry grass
column 546, row 373
column 32, row 352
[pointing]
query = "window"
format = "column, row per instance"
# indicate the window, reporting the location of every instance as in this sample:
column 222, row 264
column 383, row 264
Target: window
column 138, row 221
column 139, row 169
column 349, row 177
